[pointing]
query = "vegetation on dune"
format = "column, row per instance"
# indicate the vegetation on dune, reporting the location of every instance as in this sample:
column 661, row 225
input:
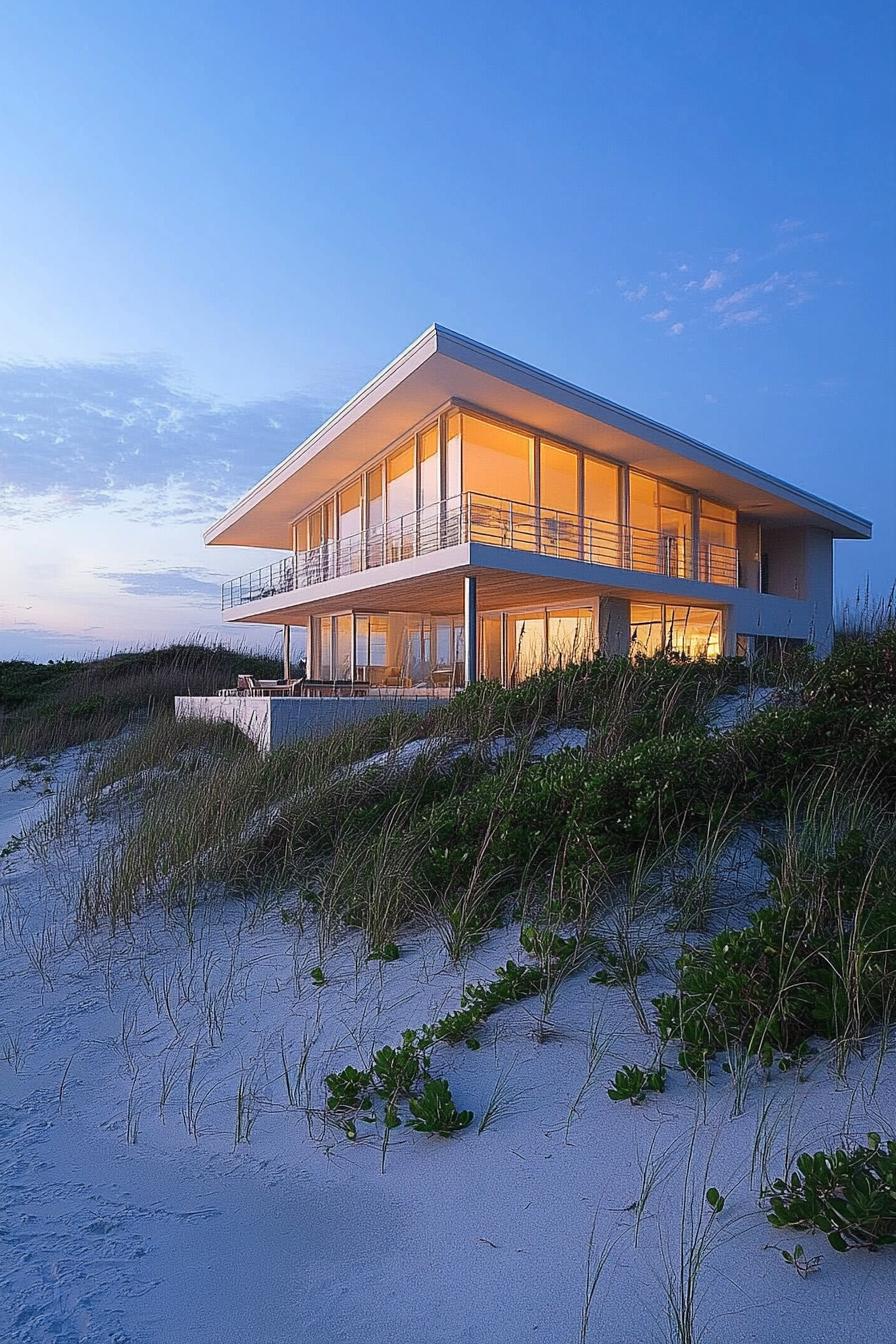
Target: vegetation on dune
column 849, row 1194
column 46, row 707
column 611, row 856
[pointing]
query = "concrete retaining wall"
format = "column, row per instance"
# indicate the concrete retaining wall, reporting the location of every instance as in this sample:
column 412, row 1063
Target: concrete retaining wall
column 271, row 721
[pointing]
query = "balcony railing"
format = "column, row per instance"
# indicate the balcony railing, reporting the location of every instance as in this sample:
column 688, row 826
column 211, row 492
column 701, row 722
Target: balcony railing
column 494, row 522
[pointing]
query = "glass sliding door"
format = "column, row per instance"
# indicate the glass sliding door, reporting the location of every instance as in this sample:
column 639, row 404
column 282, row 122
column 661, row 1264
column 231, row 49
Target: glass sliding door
column 559, row 507
column 662, row 526
column 717, row 554
column 376, row 517
column 430, row 490
column 401, row 503
column 343, row 649
column 322, row 668
column 490, row 650
column 676, row 528
column 499, row 473
column 602, row 532
column 350, row 528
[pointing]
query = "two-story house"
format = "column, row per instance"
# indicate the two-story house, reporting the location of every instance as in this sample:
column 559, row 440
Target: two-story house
column 466, row 515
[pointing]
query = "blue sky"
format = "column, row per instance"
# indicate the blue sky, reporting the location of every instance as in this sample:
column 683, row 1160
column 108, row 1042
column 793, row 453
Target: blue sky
column 218, row 220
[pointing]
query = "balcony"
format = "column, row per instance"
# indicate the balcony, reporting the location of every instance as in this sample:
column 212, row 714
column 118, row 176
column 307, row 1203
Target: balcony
column 491, row 522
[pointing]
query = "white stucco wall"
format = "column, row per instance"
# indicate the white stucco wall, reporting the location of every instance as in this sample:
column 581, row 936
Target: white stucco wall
column 272, row 721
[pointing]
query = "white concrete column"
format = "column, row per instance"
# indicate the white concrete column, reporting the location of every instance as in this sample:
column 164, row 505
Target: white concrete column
column 287, row 634
column 470, row 623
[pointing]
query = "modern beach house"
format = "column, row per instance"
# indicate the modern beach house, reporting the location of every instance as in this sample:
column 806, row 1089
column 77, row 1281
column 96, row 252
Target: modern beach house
column 466, row 515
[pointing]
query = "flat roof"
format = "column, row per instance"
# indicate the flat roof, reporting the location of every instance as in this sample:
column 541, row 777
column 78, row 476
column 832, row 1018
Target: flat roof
column 443, row 366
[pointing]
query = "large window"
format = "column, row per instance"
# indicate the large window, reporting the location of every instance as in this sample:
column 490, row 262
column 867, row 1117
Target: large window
column 693, row 632
column 430, row 473
column 376, row 516
column 662, row 521
column 498, row 461
column 527, row 644
column 559, row 478
column 401, row 492
column 717, row 559
column 602, row 535
column 350, row 510
column 401, row 502
column 452, row 456
column 547, row 638
column 350, row 528
column 499, row 474
column 560, row 515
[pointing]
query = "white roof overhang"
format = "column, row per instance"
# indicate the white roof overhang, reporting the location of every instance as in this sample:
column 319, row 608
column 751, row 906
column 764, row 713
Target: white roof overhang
column 442, row 366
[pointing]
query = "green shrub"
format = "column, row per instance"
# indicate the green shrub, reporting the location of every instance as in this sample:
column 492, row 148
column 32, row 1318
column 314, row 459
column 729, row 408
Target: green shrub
column 434, row 1110
column 397, row 1071
column 632, row 1083
column 847, row 1193
column 348, row 1090
column 384, row 952
column 821, row 959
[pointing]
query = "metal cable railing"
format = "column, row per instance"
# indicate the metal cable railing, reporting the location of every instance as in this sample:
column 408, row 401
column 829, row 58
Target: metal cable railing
column 492, row 522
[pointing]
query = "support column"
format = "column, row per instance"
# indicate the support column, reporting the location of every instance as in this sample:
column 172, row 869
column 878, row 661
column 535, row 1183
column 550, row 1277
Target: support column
column 286, row 652
column 470, row 660
column 615, row 626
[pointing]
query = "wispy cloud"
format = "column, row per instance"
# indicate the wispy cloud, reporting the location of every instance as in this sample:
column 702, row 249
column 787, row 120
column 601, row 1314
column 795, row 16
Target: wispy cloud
column 195, row 584
column 632, row 293
column 82, row 434
column 744, row 317
column 734, row 288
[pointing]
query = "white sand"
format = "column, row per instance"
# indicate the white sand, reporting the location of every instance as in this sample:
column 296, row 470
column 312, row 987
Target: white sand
column 301, row 1239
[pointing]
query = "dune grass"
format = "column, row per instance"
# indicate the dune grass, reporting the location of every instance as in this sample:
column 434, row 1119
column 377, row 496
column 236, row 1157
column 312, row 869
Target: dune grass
column 46, row 707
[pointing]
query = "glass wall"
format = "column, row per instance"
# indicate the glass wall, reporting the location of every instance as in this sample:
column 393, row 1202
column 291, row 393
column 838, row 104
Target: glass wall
column 521, row 492
column 498, row 471
column 430, row 472
column 452, row 456
column 350, row 541
column 343, row 648
column 413, row 649
column 323, row 648
column 526, row 644
column 407, row 649
column 693, row 632
column 570, row 636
